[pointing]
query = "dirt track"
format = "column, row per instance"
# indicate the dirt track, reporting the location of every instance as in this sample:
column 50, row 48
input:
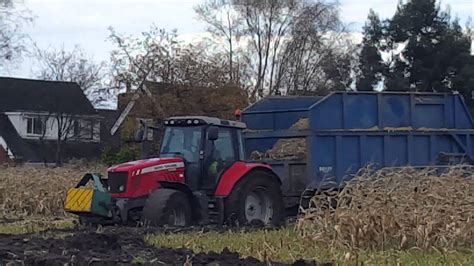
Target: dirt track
column 122, row 246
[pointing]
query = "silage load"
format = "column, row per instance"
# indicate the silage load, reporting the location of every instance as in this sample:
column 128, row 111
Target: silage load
column 399, row 209
column 287, row 149
column 27, row 191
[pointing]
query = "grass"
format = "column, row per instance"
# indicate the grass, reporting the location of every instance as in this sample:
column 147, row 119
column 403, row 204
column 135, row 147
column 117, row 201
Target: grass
column 286, row 245
column 35, row 226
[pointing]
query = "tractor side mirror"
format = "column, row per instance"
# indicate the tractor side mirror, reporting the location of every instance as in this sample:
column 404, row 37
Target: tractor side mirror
column 212, row 133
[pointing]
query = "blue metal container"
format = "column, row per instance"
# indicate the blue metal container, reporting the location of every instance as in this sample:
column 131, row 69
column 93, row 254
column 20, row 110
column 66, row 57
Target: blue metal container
column 350, row 130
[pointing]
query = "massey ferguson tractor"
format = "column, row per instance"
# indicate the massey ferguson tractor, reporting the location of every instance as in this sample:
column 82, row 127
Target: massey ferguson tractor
column 199, row 177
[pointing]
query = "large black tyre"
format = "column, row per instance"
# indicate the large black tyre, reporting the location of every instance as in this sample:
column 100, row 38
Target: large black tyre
column 167, row 207
column 256, row 199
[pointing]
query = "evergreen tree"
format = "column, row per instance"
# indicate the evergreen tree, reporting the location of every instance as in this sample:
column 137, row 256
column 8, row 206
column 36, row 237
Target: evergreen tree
column 436, row 49
column 456, row 49
column 371, row 65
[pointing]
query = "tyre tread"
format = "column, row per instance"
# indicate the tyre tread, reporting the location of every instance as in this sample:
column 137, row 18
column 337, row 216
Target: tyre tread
column 155, row 209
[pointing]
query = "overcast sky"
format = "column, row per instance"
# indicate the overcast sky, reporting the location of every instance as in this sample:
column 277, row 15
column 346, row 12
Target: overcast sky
column 85, row 22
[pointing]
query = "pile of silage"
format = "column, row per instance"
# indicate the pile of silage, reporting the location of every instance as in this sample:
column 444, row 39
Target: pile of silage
column 400, row 209
column 288, row 148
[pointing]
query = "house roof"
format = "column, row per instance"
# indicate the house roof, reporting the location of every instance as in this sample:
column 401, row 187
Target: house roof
column 38, row 95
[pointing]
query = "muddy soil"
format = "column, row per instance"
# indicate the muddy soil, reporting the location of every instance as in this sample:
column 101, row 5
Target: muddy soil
column 116, row 246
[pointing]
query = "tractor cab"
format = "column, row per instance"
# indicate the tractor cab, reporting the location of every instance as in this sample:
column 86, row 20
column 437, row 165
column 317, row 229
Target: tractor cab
column 207, row 145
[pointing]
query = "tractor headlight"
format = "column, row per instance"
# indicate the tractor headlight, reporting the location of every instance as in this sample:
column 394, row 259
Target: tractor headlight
column 121, row 188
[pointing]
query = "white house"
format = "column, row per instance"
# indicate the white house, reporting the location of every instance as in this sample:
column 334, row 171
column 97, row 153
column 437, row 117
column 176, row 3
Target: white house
column 34, row 114
column 36, row 125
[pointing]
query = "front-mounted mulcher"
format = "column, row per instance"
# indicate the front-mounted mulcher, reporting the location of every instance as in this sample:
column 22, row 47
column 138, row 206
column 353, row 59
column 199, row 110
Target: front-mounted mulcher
column 92, row 202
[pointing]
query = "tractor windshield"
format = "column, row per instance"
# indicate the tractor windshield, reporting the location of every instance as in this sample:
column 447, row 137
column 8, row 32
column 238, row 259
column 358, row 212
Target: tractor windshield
column 182, row 141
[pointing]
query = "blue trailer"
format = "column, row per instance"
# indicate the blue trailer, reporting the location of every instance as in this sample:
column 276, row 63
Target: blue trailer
column 350, row 130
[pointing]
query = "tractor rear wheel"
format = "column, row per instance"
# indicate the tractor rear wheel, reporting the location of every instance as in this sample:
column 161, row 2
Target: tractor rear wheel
column 167, row 207
column 257, row 199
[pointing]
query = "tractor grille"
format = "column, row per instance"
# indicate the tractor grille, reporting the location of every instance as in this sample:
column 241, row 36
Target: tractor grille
column 117, row 182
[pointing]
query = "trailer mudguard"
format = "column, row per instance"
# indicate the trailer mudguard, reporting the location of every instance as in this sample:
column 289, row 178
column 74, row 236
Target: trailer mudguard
column 235, row 173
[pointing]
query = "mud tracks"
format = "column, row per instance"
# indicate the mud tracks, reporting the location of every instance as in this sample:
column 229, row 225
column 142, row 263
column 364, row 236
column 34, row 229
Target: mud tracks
column 123, row 246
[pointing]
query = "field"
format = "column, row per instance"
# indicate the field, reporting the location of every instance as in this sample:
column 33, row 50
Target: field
column 396, row 217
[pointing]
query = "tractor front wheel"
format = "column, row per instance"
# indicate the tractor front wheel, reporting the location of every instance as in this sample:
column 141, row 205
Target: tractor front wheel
column 167, row 207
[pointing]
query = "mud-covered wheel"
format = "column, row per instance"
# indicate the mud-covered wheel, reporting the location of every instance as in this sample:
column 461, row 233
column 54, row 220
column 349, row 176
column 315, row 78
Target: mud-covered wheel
column 256, row 199
column 167, row 207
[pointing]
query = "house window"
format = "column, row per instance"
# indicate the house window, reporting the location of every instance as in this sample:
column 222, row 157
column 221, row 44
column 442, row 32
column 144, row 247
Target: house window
column 83, row 129
column 76, row 129
column 35, row 126
column 86, row 129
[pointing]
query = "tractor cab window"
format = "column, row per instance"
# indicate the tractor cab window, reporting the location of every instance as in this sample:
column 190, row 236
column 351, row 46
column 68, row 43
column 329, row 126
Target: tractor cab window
column 224, row 146
column 182, row 141
column 221, row 153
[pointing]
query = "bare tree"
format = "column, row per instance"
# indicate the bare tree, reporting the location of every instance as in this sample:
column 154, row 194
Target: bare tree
column 286, row 41
column 223, row 22
column 320, row 56
column 65, row 122
column 13, row 16
column 266, row 26
column 199, row 65
column 159, row 56
column 61, row 120
column 73, row 66
column 70, row 66
column 136, row 60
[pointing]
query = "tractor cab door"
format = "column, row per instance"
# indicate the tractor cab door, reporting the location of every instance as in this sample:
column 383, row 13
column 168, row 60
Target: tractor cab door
column 185, row 142
column 220, row 154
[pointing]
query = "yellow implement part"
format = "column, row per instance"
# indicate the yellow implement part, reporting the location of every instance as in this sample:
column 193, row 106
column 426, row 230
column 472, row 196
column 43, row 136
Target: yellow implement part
column 79, row 199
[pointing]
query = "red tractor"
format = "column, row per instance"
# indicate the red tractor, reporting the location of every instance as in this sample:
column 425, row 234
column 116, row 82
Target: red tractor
column 199, row 177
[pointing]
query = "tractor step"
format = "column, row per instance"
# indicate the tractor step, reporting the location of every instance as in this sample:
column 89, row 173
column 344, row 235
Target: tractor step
column 212, row 209
column 216, row 210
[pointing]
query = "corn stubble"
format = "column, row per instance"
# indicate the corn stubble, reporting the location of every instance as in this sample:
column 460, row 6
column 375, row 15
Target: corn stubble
column 37, row 191
column 383, row 210
column 396, row 209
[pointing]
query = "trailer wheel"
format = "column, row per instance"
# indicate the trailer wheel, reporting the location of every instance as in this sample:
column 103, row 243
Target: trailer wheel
column 257, row 199
column 167, row 207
